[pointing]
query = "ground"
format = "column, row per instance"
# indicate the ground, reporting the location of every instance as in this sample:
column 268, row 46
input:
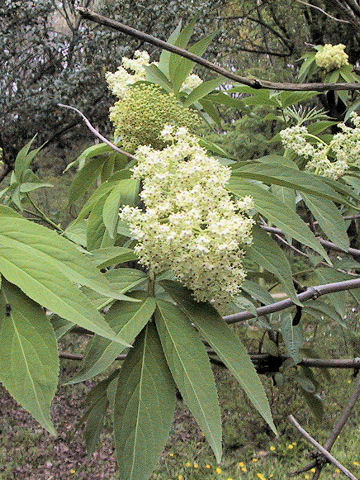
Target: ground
column 27, row 452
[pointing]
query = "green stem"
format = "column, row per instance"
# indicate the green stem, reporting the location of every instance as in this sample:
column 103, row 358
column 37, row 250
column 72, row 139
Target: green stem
column 43, row 215
column 151, row 285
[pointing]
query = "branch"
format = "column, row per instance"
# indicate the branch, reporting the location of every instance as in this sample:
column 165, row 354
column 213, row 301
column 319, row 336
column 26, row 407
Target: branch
column 312, row 293
column 352, row 251
column 321, row 449
column 251, row 82
column 268, row 359
column 322, row 11
column 98, row 134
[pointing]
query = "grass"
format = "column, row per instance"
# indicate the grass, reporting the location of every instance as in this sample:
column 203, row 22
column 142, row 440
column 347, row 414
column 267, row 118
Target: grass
column 250, row 450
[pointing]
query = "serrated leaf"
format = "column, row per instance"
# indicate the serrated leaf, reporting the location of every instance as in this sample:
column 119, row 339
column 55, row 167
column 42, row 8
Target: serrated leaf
column 292, row 336
column 95, row 418
column 60, row 326
column 182, row 67
column 277, row 212
column 47, row 286
column 144, row 407
column 155, row 75
column 226, row 344
column 85, row 178
column 202, row 90
column 329, row 218
column 190, row 368
column 266, row 253
column 126, row 320
column 257, row 292
column 52, row 251
column 165, row 55
column 272, row 173
column 106, row 257
column 29, row 362
column 110, row 212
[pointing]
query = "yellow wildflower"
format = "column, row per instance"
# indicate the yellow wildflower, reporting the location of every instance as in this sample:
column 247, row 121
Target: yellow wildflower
column 208, row 466
column 254, row 460
column 171, row 454
column 290, row 447
column 294, row 443
column 244, row 469
column 349, row 381
column 261, row 476
column 272, row 448
column 307, row 477
column 218, row 470
column 187, row 464
column 241, row 464
column 337, row 470
column 196, row 465
column 356, row 464
column 72, row 471
column 180, row 477
column 313, row 470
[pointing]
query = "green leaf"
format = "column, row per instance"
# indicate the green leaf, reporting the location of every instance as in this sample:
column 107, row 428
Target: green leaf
column 165, row 55
column 52, row 251
column 267, row 254
column 29, row 362
column 226, row 344
column 126, row 320
column 277, row 213
column 24, row 159
column 190, row 368
column 203, row 90
column 97, row 235
column 257, row 292
column 292, row 336
column 110, row 212
column 60, row 326
column 95, row 418
column 50, row 288
column 144, row 407
column 330, row 220
column 85, row 178
column 272, row 173
column 182, row 67
column 315, row 403
column 155, row 75
column 107, row 257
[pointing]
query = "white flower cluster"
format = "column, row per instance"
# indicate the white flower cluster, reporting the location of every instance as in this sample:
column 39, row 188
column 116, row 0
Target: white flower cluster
column 133, row 70
column 120, row 81
column 330, row 160
column 331, row 57
column 190, row 224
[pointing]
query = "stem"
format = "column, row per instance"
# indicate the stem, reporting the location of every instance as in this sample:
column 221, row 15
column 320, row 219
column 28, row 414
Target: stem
column 44, row 216
column 151, row 285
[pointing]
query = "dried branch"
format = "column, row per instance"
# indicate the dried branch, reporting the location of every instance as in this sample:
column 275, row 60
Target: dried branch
column 252, row 82
column 321, row 449
column 98, row 134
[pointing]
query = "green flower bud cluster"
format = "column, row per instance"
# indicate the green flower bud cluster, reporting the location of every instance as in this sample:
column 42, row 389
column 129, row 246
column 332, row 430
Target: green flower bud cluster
column 141, row 114
column 331, row 57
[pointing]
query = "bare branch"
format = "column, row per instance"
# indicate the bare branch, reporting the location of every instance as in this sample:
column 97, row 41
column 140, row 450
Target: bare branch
column 98, row 134
column 322, row 11
column 352, row 251
column 321, row 449
column 252, row 82
column 312, row 293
